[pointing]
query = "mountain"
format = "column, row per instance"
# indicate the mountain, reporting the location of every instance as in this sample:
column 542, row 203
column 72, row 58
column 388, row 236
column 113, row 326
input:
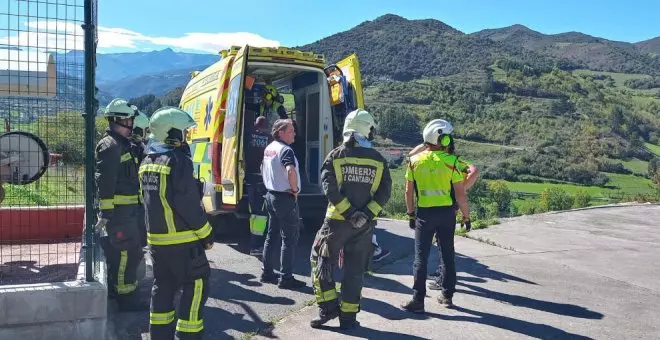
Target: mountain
column 651, row 46
column 157, row 83
column 115, row 66
column 587, row 51
column 394, row 47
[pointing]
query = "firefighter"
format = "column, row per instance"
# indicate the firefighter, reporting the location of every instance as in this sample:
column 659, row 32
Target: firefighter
column 357, row 183
column 271, row 105
column 178, row 232
column 117, row 182
column 430, row 177
column 138, row 145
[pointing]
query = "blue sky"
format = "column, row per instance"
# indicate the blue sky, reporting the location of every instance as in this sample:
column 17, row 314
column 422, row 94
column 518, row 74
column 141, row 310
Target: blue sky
column 208, row 25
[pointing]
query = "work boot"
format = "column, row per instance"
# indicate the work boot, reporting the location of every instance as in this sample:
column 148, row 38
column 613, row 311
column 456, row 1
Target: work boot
column 291, row 283
column 348, row 321
column 327, row 312
column 445, row 300
column 433, row 285
column 269, row 277
column 414, row 306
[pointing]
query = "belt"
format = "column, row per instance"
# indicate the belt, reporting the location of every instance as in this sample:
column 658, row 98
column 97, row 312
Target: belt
column 280, row 193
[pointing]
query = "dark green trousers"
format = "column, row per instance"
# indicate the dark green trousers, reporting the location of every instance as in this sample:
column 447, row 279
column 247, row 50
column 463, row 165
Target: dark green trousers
column 358, row 249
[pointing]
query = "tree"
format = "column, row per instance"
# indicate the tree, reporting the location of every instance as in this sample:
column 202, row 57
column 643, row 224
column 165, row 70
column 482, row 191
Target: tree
column 499, row 194
column 553, row 199
column 398, row 124
column 654, row 169
column 582, row 199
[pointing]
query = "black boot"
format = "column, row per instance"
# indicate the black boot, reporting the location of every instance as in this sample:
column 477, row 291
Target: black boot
column 414, row 306
column 327, row 311
column 348, row 321
column 445, row 300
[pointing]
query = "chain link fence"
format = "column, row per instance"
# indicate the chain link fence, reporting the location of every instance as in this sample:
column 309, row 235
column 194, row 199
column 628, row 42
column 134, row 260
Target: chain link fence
column 43, row 92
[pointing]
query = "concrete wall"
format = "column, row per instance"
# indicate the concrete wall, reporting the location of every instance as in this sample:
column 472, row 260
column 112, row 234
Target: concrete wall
column 61, row 310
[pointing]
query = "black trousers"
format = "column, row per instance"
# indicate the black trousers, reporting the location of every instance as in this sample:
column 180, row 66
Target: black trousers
column 178, row 267
column 440, row 221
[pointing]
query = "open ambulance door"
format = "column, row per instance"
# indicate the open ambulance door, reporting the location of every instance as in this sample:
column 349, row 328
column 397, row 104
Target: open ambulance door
column 232, row 154
column 346, row 95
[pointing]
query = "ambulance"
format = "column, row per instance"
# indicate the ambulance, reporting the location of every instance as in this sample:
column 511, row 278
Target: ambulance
column 225, row 99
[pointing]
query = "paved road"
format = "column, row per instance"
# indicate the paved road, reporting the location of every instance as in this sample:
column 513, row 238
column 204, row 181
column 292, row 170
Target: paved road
column 581, row 274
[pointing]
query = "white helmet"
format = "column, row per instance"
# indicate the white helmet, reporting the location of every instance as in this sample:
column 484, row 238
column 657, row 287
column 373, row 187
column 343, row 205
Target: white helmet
column 359, row 121
column 436, row 128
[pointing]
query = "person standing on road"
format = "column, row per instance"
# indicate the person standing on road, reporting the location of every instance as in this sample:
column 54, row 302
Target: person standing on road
column 117, row 182
column 259, row 140
column 356, row 180
column 470, row 173
column 178, row 232
column 282, row 181
column 430, row 176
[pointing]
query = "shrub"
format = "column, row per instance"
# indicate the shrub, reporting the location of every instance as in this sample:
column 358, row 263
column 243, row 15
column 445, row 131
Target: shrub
column 553, row 199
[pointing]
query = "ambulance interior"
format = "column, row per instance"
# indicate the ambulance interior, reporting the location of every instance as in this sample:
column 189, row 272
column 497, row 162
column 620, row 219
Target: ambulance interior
column 303, row 93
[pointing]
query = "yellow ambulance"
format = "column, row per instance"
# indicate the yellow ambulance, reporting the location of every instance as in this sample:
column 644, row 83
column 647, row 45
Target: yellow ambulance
column 225, row 99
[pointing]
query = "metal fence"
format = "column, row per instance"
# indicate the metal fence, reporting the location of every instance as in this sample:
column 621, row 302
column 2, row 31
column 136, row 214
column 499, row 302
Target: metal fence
column 43, row 87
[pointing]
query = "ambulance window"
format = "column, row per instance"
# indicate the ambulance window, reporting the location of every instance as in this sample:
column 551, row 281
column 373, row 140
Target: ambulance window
column 232, row 107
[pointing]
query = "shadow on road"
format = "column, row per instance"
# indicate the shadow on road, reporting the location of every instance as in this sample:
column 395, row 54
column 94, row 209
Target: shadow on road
column 522, row 301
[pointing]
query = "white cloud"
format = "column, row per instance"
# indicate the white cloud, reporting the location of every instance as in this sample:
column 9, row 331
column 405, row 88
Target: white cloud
column 66, row 36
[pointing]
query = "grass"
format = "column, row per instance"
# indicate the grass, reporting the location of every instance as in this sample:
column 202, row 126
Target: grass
column 653, row 148
column 619, row 183
column 56, row 187
column 619, row 78
column 635, row 165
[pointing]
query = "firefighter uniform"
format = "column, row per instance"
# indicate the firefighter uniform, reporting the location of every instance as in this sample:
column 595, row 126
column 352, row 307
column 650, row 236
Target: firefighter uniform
column 117, row 182
column 178, row 233
column 355, row 179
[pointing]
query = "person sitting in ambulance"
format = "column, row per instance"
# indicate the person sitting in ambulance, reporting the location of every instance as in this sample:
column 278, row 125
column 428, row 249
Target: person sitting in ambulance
column 271, row 105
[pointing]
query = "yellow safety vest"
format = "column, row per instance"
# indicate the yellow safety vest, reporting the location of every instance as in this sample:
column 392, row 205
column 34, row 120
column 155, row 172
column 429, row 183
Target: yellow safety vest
column 433, row 172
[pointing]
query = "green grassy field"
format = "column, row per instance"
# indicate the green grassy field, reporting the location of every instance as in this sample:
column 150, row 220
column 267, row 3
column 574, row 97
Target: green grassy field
column 654, row 148
column 634, row 165
column 56, row 187
column 619, row 78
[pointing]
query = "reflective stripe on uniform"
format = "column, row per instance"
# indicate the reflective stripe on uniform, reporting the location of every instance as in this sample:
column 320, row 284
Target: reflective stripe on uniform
column 161, row 318
column 432, row 192
column 374, row 207
column 348, row 307
column 258, row 224
column 338, row 163
column 107, row 204
column 126, row 157
column 122, row 287
column 159, row 168
column 167, row 209
column 179, row 236
column 321, row 296
column 193, row 324
column 336, row 211
column 126, row 199
column 189, row 326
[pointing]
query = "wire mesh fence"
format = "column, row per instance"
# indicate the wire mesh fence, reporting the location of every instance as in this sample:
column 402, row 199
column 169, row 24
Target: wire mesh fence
column 42, row 92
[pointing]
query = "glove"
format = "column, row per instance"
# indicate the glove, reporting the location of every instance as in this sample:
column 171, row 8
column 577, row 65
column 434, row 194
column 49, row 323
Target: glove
column 100, row 224
column 359, row 219
column 466, row 223
column 412, row 218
